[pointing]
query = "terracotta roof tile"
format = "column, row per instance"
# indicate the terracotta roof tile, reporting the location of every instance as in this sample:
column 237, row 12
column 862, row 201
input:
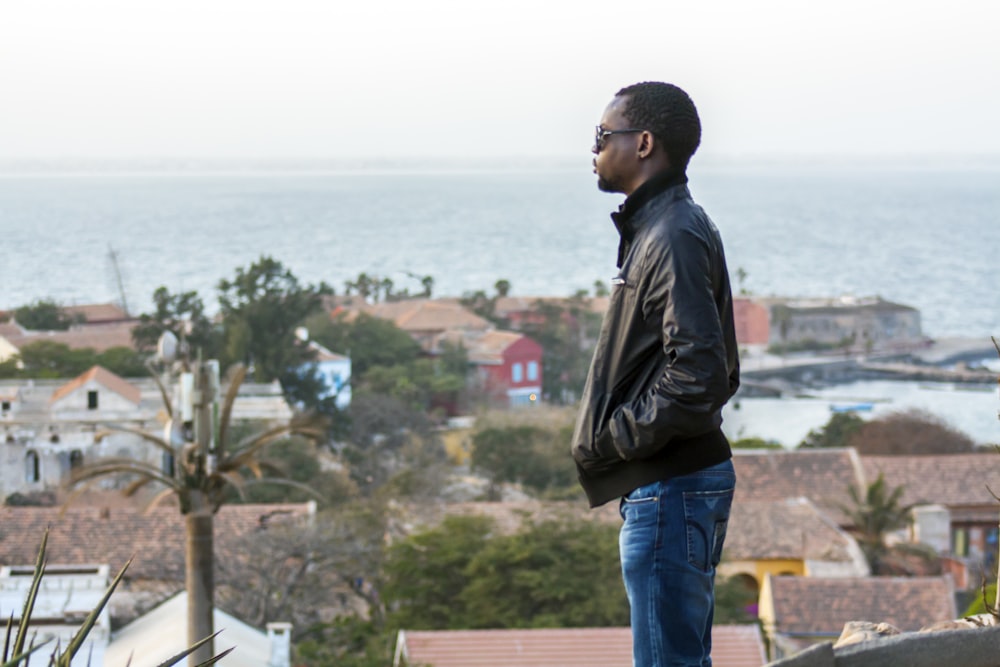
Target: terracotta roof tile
column 113, row 535
column 793, row 528
column 103, row 377
column 733, row 646
column 97, row 312
column 952, row 480
column 821, row 475
column 98, row 337
column 423, row 315
column 821, row 606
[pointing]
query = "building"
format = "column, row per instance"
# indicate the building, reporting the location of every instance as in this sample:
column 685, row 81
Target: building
column 66, row 596
column 506, row 366
column 787, row 537
column 796, row 612
column 862, row 324
column 732, row 646
column 335, row 371
column 161, row 633
column 50, row 427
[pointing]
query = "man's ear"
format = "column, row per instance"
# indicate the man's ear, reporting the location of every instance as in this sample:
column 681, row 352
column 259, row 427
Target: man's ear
column 645, row 144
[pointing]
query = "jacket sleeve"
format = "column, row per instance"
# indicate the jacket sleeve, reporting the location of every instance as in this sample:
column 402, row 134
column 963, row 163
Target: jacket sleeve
column 683, row 276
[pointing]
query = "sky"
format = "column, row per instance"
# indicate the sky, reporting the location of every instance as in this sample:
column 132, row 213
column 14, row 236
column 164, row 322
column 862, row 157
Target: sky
column 387, row 79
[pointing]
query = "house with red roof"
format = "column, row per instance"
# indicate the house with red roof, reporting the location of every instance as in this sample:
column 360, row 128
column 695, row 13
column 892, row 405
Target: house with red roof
column 797, row 612
column 732, row 646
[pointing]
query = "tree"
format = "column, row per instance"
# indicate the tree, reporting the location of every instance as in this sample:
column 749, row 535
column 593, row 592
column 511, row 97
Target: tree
column 369, row 341
column 425, row 574
column 463, row 575
column 548, row 575
column 874, row 512
column 181, row 314
column 261, row 309
column 392, row 448
column 910, row 433
column 204, row 462
column 756, row 443
column 567, row 333
column 836, row 433
column 45, row 315
column 502, row 287
column 301, row 571
column 523, row 454
column 48, row 359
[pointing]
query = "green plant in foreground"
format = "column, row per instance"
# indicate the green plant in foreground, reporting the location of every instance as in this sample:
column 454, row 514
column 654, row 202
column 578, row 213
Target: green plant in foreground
column 15, row 654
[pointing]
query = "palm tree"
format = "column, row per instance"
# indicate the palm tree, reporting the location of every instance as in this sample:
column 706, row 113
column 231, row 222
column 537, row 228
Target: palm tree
column 203, row 465
column 875, row 514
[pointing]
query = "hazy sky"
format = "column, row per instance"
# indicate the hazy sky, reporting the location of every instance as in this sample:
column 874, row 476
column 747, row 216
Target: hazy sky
column 425, row 78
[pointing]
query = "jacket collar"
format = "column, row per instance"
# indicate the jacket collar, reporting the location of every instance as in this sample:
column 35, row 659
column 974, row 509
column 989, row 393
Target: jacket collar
column 625, row 218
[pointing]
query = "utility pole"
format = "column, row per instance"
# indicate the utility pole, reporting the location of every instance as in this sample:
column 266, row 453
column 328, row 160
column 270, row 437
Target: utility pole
column 200, row 459
column 191, row 434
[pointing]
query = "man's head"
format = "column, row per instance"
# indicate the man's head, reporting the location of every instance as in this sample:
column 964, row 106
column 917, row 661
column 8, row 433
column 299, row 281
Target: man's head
column 647, row 127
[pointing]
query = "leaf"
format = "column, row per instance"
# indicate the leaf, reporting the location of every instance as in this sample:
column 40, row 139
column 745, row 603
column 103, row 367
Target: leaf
column 23, row 657
column 239, row 373
column 76, row 642
column 29, row 601
column 148, row 437
column 113, row 466
column 188, row 651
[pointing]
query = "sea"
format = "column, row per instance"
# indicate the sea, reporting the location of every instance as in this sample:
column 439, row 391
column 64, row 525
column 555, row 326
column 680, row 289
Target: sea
column 922, row 233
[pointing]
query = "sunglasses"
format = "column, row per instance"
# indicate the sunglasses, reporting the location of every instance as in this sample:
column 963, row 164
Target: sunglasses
column 601, row 136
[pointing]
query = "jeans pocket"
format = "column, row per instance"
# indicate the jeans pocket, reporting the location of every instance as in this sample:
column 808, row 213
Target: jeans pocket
column 706, row 515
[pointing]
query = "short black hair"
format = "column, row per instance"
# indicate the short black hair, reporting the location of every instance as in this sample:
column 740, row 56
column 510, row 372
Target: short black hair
column 669, row 113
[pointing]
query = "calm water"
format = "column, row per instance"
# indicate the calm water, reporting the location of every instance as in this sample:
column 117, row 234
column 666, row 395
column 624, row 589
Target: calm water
column 925, row 238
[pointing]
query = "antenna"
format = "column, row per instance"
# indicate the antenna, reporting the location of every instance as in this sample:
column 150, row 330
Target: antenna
column 113, row 257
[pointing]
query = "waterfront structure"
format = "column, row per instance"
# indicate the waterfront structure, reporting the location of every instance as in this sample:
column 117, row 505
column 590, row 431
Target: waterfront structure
column 861, row 324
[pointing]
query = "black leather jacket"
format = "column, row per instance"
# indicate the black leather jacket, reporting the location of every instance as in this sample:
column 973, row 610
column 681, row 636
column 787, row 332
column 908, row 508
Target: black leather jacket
column 666, row 359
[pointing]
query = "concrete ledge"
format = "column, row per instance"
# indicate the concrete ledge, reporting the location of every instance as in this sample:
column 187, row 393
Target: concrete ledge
column 976, row 647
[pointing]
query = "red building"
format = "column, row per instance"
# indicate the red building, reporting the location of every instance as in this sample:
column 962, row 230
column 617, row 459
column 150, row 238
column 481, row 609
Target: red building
column 508, row 366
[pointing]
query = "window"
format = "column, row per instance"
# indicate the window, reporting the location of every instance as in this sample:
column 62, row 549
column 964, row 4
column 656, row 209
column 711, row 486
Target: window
column 533, row 370
column 92, row 400
column 31, row 467
column 4, row 406
column 517, row 372
column 75, row 459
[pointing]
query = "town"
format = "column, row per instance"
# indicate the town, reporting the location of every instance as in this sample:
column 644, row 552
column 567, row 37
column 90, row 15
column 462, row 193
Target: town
column 392, row 482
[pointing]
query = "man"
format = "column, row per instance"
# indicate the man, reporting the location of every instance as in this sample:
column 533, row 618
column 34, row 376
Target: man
column 666, row 362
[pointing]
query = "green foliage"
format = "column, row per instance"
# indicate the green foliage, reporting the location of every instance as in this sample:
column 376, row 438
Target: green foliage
column 44, row 315
column 426, row 573
column 875, row 511
column 261, row 308
column 836, row 433
column 567, row 333
column 370, row 342
column 984, row 601
column 524, row 454
column 735, row 602
column 14, row 651
column 47, row 359
column 392, row 448
column 756, row 443
column 348, row 641
column 551, row 574
column 183, row 315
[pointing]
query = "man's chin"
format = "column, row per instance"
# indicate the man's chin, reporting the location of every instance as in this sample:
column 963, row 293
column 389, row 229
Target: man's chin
column 605, row 185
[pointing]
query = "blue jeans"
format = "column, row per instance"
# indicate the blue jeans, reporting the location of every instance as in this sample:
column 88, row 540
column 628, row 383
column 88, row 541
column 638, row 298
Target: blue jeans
column 670, row 543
